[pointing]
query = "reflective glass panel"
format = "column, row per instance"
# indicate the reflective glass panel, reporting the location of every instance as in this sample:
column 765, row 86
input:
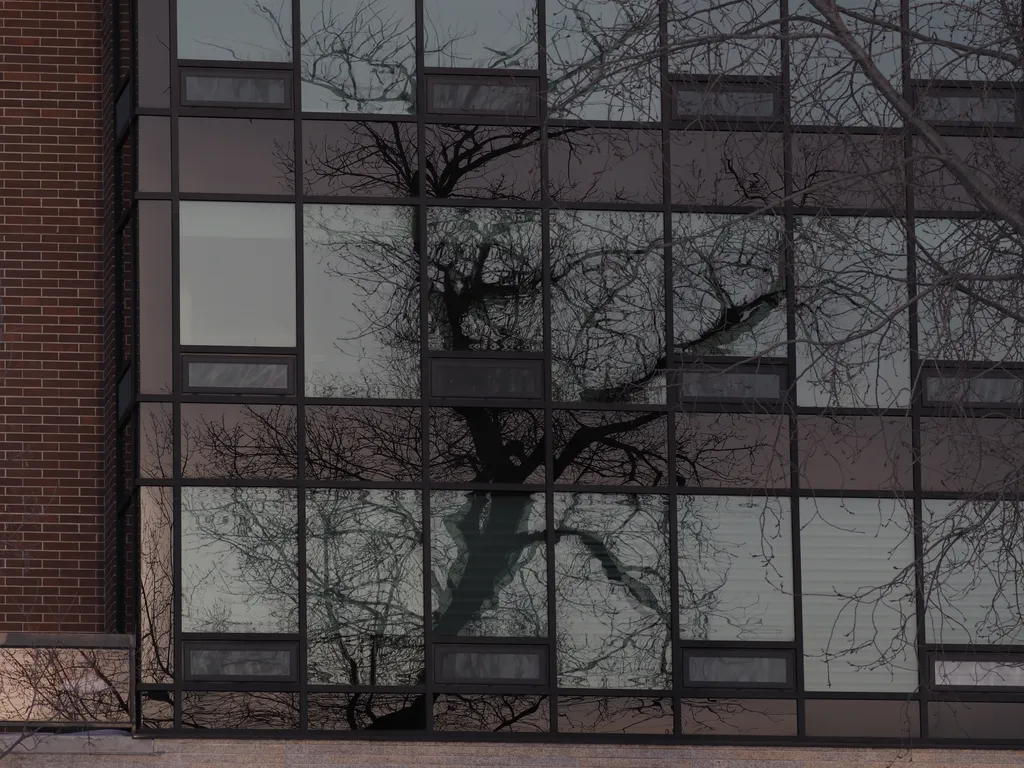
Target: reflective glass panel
column 236, row 156
column 236, row 88
column 610, row 448
column 610, row 166
column 238, row 441
column 359, row 159
column 597, row 714
column 361, row 443
column 494, row 713
column 235, row 30
column 487, row 445
column 483, row 162
column 240, row 711
column 156, row 585
column 481, row 34
column 732, row 450
column 713, row 38
column 366, row 711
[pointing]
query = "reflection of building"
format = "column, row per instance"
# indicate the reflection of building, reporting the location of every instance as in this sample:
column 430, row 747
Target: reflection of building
column 511, row 372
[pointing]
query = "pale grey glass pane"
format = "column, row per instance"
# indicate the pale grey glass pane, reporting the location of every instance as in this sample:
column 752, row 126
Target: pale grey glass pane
column 362, row 296
column 489, row 563
column 239, row 662
column 358, row 56
column 712, row 385
column 603, row 59
column 612, row 591
column 505, row 98
column 723, row 668
column 240, row 88
column 982, row 389
column 975, row 674
column 365, row 587
column 491, row 666
column 728, row 286
column 237, row 274
column 974, row 572
column 972, row 41
column 982, row 324
column 828, row 87
column 851, row 294
column 691, row 102
column 485, row 279
column 477, row 34
column 235, row 30
column 221, row 374
column 156, row 584
column 858, row 595
column 239, row 555
column 985, row 108
column 735, row 568
column 607, row 306
column 735, row 38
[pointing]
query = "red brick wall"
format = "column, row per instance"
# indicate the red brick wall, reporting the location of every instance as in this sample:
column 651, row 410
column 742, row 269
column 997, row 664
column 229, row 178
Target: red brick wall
column 53, row 423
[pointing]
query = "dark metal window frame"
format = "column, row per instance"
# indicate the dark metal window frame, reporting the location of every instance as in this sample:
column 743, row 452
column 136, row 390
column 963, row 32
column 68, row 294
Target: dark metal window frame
column 283, row 76
column 483, row 77
column 189, row 357
column 979, row 657
column 923, row 90
column 189, row 645
column 746, row 653
column 702, row 84
column 444, row 648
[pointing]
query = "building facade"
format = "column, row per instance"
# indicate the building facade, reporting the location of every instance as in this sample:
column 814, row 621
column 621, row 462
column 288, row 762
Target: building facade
column 548, row 370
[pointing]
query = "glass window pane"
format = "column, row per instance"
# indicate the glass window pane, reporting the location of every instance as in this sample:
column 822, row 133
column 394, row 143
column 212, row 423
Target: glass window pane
column 491, row 665
column 486, row 280
column 963, row 41
column 609, row 166
column 972, row 455
column 156, row 451
column 965, row 390
column 258, row 661
column 603, row 59
column 483, row 378
column 240, row 711
column 610, row 448
column 851, row 283
column 720, row 669
column 726, row 168
column 358, row 56
column 859, row 453
column 239, row 549
column 974, row 571
column 494, row 713
column 362, row 296
column 596, row 714
column 978, row 720
column 156, row 582
column 154, row 154
column 858, row 595
column 153, row 69
column 607, row 307
column 612, row 591
column 239, row 374
column 359, row 159
column 837, row 718
column 729, row 292
column 739, row 717
column 155, row 302
column 361, row 443
column 481, row 34
column 483, row 162
column 712, row 38
column 732, row 450
column 487, row 445
column 735, row 568
column 843, row 170
column 996, row 163
column 366, row 711
column 237, row 88
column 364, row 587
column 966, row 107
column 235, row 30
column 504, row 96
column 979, row 674
column 725, row 101
column 238, row 441
column 729, row 384
column 489, row 560
column 237, row 274
column 236, row 156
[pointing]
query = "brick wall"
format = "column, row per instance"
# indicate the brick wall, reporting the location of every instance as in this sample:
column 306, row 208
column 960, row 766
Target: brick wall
column 52, row 417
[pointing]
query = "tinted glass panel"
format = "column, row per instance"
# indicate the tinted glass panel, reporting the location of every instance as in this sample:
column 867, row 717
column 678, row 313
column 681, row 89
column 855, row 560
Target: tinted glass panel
column 482, row 96
column 238, row 88
column 610, row 448
column 490, row 567
column 468, row 664
column 595, row 714
column 728, row 450
column 605, row 166
column 363, row 443
column 486, row 281
column 362, row 297
column 364, row 588
column 967, row 107
column 974, row 720
column 158, row 710
column 366, row 711
column 227, row 374
column 212, row 662
column 843, row 170
column 482, row 34
column 155, row 297
column 238, row 552
column 978, row 390
column 154, row 154
column 235, row 30
column 612, row 591
column 741, row 38
column 971, row 455
column 487, row 445
column 732, row 102
column 878, row 718
column 237, row 274
column 855, row 453
column 359, row 159
column 483, row 162
column 726, row 168
column 156, row 449
column 703, row 383
column 245, row 156
column 153, row 69
column 514, row 379
column 238, row 441
column 501, row 713
column 240, row 711
column 156, row 583
column 358, row 57
column 739, row 717
column 979, row 674
column 736, row 671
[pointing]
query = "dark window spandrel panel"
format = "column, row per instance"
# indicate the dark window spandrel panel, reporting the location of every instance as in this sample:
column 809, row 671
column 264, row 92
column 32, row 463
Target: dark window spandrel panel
column 739, row 717
column 238, row 441
column 726, row 168
column 239, row 549
column 483, row 162
column 232, row 374
column 155, row 303
column 610, row 448
column 362, row 302
column 359, row 159
column 485, row 34
column 486, row 445
column 243, row 89
column 735, row 569
column 237, row 274
column 859, row 453
column 840, row 719
column 727, row 450
column 978, row 720
column 235, row 30
column 494, row 713
column 495, row 96
column 971, row 455
column 485, row 289
column 363, row 443
column 154, row 154
column 495, row 665
column 482, row 378
column 607, row 307
column 358, row 57
column 156, row 449
column 612, row 602
column 366, row 712
column 153, row 44
column 225, row 155
column 606, row 166
column 729, row 289
column 240, row 711
column 598, row 714
column 364, row 587
column 843, row 170
column 488, row 554
column 155, row 618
